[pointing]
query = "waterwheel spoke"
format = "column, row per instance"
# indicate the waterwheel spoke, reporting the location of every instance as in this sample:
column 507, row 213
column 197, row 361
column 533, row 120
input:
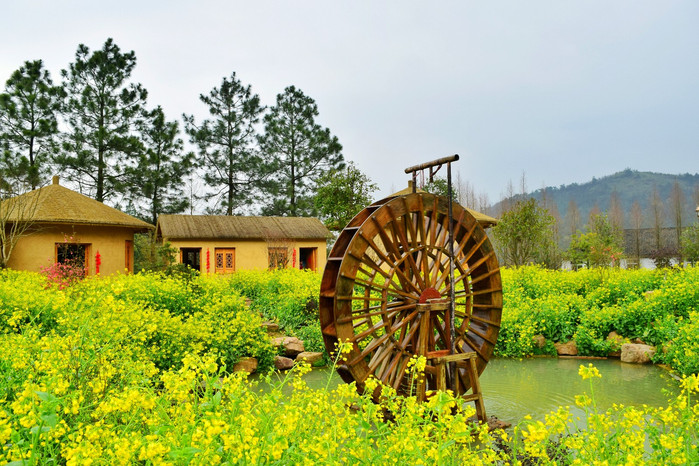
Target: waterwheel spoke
column 400, row 234
column 377, row 289
column 457, row 253
column 391, row 369
column 400, row 373
column 437, row 264
column 376, row 310
column 380, row 356
column 386, row 260
column 441, row 328
column 375, row 343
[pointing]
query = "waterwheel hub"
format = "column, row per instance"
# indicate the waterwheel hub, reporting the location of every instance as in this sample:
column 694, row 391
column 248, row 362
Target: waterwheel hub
column 429, row 293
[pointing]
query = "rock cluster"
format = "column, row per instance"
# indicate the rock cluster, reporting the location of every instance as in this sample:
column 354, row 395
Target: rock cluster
column 292, row 349
column 634, row 352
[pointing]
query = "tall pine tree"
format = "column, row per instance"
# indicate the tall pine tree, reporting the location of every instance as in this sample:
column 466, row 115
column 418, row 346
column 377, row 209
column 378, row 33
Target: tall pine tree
column 301, row 150
column 28, row 126
column 101, row 110
column 156, row 183
column 226, row 144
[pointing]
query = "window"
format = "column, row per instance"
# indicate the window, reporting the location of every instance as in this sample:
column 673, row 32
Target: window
column 191, row 257
column 278, row 257
column 74, row 254
column 308, row 258
column 224, row 260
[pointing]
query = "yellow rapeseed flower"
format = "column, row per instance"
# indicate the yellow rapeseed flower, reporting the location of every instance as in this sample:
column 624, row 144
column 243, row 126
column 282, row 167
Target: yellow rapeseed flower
column 588, row 372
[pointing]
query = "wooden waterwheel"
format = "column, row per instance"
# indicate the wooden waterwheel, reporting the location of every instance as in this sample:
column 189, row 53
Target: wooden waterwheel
column 393, row 256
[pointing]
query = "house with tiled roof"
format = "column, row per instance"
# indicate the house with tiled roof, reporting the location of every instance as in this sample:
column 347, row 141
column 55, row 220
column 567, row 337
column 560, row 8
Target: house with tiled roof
column 66, row 225
column 223, row 243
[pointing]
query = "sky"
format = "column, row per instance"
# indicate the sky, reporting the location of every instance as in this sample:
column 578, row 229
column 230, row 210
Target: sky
column 557, row 91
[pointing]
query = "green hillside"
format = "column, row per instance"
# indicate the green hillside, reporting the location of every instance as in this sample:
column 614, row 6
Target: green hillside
column 630, row 185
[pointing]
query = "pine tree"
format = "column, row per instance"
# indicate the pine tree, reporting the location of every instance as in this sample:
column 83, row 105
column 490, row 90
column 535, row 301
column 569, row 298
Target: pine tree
column 28, row 126
column 156, row 183
column 301, row 150
column 233, row 165
column 101, row 110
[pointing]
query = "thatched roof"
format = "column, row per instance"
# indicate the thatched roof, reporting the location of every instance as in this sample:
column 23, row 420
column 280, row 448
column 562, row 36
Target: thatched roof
column 231, row 227
column 57, row 204
column 486, row 221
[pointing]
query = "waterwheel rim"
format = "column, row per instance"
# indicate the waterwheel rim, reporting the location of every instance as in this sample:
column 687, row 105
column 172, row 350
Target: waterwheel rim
column 392, row 256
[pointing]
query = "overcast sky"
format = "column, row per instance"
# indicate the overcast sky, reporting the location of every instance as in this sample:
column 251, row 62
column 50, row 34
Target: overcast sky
column 559, row 90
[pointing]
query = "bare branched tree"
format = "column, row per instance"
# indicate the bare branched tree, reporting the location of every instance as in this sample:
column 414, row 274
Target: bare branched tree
column 636, row 224
column 657, row 214
column 17, row 216
column 279, row 251
column 677, row 205
column 616, row 211
column 573, row 218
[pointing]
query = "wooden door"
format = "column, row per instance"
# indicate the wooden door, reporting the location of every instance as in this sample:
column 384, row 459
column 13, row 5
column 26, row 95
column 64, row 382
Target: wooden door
column 225, row 260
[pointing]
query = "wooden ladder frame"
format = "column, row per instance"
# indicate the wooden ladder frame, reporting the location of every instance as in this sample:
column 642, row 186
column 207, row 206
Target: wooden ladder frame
column 437, row 360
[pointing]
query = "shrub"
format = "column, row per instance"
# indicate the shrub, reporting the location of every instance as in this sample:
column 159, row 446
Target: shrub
column 653, row 305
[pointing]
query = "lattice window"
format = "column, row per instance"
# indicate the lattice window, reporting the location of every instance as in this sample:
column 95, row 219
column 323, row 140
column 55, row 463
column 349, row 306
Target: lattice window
column 225, row 260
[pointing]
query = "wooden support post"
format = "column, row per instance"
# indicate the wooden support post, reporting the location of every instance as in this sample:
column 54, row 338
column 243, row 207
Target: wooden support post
column 422, row 345
column 466, row 361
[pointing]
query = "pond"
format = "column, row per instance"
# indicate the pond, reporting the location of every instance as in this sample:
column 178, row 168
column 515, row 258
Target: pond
column 513, row 388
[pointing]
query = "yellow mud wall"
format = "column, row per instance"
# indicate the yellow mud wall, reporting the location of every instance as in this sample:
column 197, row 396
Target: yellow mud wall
column 37, row 249
column 249, row 254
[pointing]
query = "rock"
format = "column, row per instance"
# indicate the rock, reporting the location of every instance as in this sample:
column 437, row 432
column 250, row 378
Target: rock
column 539, row 341
column 636, row 353
column 638, row 341
column 270, row 326
column 566, row 349
column 495, row 423
column 310, row 357
column 292, row 345
column 615, row 341
column 282, row 363
column 248, row 365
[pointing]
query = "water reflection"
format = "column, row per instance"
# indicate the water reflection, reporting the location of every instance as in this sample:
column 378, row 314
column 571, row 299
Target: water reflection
column 514, row 388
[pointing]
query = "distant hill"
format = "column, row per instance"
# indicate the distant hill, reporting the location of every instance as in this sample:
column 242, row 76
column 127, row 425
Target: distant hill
column 630, row 185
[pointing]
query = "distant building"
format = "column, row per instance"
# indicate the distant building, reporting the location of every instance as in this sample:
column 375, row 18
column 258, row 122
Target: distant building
column 66, row 225
column 223, row 243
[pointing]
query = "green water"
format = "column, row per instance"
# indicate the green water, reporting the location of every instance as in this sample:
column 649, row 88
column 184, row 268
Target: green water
column 514, row 388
